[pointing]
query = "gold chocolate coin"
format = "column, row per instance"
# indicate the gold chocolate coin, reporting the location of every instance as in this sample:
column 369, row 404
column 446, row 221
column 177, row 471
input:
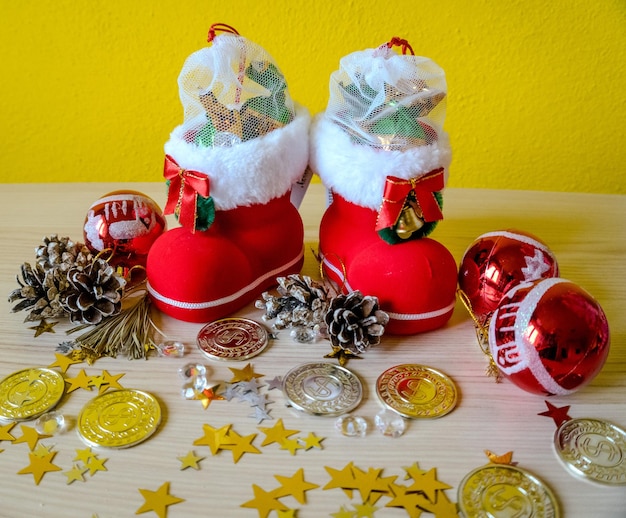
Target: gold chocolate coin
column 505, row 490
column 119, row 419
column 28, row 393
column 593, row 449
column 416, row 391
column 232, row 339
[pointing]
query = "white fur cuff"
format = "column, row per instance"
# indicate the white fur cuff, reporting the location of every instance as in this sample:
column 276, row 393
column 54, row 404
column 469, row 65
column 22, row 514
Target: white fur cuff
column 358, row 172
column 253, row 172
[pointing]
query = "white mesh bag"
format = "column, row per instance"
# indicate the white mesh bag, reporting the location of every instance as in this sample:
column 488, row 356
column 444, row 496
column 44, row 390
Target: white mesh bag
column 388, row 100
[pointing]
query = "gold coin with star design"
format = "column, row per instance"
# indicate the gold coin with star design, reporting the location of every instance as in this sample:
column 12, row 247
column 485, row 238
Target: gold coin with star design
column 119, row 419
column 29, row 393
column 416, row 391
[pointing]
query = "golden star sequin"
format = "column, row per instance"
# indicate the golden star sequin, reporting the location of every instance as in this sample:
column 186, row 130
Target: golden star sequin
column 63, row 362
column 44, row 327
column 39, row 466
column 158, row 501
column 245, row 374
column 190, row 460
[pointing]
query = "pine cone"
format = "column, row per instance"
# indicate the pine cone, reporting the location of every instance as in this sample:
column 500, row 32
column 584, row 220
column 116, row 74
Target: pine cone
column 302, row 302
column 355, row 322
column 40, row 291
column 93, row 293
column 62, row 253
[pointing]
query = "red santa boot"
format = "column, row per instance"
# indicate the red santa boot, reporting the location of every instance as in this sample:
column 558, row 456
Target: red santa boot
column 382, row 153
column 230, row 169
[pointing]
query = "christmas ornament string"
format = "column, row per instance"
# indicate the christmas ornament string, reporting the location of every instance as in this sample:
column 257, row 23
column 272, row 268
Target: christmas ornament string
column 482, row 335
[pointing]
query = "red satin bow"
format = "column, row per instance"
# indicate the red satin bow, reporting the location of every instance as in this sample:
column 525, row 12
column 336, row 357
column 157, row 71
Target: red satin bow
column 396, row 191
column 185, row 186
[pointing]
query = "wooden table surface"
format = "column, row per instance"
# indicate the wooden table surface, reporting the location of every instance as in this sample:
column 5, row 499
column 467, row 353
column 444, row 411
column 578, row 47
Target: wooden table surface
column 586, row 232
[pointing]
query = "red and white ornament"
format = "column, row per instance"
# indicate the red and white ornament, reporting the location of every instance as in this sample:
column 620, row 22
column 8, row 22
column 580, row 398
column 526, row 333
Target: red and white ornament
column 497, row 261
column 549, row 337
column 125, row 222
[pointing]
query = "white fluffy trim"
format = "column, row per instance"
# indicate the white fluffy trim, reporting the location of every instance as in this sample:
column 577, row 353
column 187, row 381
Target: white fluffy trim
column 253, row 172
column 358, row 173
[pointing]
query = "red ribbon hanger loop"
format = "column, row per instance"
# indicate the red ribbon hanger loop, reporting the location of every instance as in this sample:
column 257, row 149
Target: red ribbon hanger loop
column 402, row 43
column 396, row 191
column 185, row 186
column 220, row 27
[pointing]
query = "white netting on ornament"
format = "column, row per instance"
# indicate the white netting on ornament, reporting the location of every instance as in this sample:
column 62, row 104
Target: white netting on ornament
column 231, row 92
column 388, row 100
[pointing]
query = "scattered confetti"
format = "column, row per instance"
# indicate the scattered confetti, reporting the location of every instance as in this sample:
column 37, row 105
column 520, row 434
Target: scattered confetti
column 291, row 445
column 96, row 464
column 29, row 436
column 506, row 458
column 190, row 460
column 276, row 434
column 63, row 362
column 44, row 327
column 558, row 414
column 214, row 438
column 245, row 374
column 5, row 434
column 240, row 445
column 312, row 441
column 158, row 501
column 81, row 380
column 275, row 383
column 264, row 502
column 76, row 473
column 39, row 466
column 294, row 486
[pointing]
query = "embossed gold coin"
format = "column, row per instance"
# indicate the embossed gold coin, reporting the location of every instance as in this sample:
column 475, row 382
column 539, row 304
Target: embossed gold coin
column 232, row 339
column 119, row 419
column 28, row 393
column 416, row 391
column 322, row 388
column 502, row 490
column 594, row 449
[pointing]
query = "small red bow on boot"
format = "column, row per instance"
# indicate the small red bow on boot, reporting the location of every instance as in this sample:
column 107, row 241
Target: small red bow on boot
column 417, row 194
column 188, row 196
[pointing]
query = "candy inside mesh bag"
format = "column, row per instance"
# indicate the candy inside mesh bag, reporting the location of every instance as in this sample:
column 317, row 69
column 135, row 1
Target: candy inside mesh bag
column 232, row 92
column 388, row 100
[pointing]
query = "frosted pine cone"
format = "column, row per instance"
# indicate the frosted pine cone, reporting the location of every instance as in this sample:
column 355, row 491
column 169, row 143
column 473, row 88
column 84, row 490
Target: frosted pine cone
column 62, row 253
column 94, row 292
column 39, row 292
column 355, row 322
column 302, row 302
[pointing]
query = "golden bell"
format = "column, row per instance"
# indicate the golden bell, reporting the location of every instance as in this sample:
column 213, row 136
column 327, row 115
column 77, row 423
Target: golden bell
column 408, row 223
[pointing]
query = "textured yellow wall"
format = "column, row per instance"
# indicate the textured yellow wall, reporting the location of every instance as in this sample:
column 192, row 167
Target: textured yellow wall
column 537, row 90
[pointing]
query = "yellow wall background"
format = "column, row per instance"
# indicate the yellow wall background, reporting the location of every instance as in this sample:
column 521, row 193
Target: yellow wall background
column 537, row 90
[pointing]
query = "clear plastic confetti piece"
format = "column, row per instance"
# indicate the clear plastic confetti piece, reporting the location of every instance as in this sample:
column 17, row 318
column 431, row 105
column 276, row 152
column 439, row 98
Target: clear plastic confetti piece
column 351, row 426
column 390, row 424
column 171, row 349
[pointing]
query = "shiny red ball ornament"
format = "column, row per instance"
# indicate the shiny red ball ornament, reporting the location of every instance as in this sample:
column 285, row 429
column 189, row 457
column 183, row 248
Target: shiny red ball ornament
column 497, row 261
column 126, row 223
column 549, row 337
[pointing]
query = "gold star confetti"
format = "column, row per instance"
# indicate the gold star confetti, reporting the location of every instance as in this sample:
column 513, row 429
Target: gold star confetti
column 29, row 436
column 85, row 455
column 76, row 473
column 292, row 445
column 81, row 380
column 245, row 374
column 63, row 362
column 214, row 438
column 312, row 441
column 44, row 327
column 342, row 355
column 99, row 383
column 264, row 502
column 507, row 458
column 412, row 503
column 4, row 432
column 342, row 479
column 240, row 445
column 343, row 513
column 365, row 510
column 158, row 501
column 276, row 434
column 41, row 450
column 208, row 395
column 39, row 466
column 294, row 486
column 96, row 464
column 368, row 481
column 190, row 461
column 111, row 380
column 428, row 484
column 287, row 513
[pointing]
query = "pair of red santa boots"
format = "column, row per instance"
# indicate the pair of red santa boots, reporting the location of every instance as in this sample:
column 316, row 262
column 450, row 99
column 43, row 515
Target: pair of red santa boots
column 384, row 159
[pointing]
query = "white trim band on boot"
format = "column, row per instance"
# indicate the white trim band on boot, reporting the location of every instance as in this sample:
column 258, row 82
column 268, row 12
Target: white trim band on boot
column 224, row 300
column 358, row 172
column 252, row 172
column 405, row 317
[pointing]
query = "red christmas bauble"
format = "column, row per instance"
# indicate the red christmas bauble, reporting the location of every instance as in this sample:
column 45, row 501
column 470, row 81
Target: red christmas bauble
column 125, row 222
column 497, row 261
column 549, row 336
